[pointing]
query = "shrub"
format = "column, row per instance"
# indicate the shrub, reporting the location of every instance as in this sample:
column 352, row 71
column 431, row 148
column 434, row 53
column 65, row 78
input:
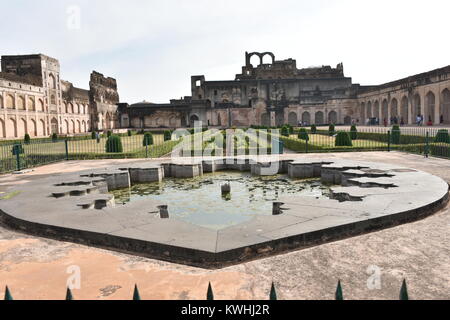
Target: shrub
column 332, row 130
column 148, row 139
column 442, row 136
column 93, row 135
column 353, row 133
column 108, row 134
column 130, row 133
column 303, row 134
column 114, row 144
column 54, row 137
column 167, row 135
column 343, row 140
column 313, row 129
column 27, row 139
column 396, row 134
column 285, row 131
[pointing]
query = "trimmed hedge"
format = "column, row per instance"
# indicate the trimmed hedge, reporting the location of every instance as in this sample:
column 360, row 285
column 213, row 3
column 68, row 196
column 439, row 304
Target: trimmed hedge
column 353, row 133
column 148, row 139
column 167, row 135
column 396, row 134
column 442, row 136
column 114, row 144
column 343, row 140
column 303, row 134
column 332, row 130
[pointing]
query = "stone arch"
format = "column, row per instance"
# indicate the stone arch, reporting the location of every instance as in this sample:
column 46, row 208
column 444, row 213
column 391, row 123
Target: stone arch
column 265, row 119
column 1, row 102
column 193, row 119
column 173, row 122
column 306, row 118
column 83, row 126
column 252, row 56
column 404, row 110
column 31, row 104
column 293, row 119
column 52, row 99
column 41, row 105
column 72, row 126
column 385, row 110
column 2, row 129
column 279, row 119
column 33, row 129
column 394, row 108
column 430, row 102
column 66, row 128
column 265, row 54
column 11, row 128
column 320, row 119
column 362, row 112
column 54, row 126
column 78, row 126
column 332, row 117
column 70, row 107
column 417, row 105
column 376, row 109
column 21, row 103
column 22, row 128
column 445, row 111
column 348, row 120
column 369, row 110
column 41, row 128
column 52, row 81
column 10, row 102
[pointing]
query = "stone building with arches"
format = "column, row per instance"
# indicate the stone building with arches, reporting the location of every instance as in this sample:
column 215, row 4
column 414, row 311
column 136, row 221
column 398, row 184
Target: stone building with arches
column 35, row 100
column 270, row 92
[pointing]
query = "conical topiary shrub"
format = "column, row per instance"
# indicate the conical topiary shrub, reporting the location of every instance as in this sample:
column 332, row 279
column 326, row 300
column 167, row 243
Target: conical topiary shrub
column 130, row 133
column 396, row 134
column 93, row 135
column 148, row 139
column 27, row 138
column 54, row 137
column 442, row 136
column 343, row 140
column 332, row 130
column 285, row 131
column 339, row 295
column 167, row 135
column 114, row 145
column 303, row 134
column 353, row 133
column 109, row 134
column 313, row 129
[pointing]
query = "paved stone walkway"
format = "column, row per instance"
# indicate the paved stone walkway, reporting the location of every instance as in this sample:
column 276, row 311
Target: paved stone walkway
column 36, row 268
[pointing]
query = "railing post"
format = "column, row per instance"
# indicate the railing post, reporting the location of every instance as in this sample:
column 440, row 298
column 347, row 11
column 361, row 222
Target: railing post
column 427, row 144
column 66, row 144
column 17, row 150
column 389, row 140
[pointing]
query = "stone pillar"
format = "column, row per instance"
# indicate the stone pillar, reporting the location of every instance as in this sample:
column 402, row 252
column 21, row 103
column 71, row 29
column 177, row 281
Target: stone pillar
column 437, row 108
column 273, row 122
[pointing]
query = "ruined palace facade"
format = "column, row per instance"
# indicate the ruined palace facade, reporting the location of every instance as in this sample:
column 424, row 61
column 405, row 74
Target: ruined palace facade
column 35, row 100
column 271, row 93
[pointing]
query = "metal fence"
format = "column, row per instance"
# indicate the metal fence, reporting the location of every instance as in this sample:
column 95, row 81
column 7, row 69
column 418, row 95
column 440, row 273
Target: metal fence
column 427, row 141
column 273, row 296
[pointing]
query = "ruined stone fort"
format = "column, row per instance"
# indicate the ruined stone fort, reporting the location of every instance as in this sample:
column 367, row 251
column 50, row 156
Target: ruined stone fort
column 268, row 92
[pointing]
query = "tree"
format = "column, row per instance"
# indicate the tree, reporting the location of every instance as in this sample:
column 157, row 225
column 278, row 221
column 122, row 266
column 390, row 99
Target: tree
column 285, row 131
column 273, row 293
column 404, row 291
column 69, row 295
column 8, row 296
column 54, row 137
column 167, row 135
column 136, row 295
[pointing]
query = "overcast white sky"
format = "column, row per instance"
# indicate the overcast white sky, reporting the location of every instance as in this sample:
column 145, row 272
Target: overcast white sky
column 153, row 47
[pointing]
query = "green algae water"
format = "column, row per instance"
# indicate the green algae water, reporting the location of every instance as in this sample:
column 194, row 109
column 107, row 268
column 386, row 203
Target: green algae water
column 200, row 201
